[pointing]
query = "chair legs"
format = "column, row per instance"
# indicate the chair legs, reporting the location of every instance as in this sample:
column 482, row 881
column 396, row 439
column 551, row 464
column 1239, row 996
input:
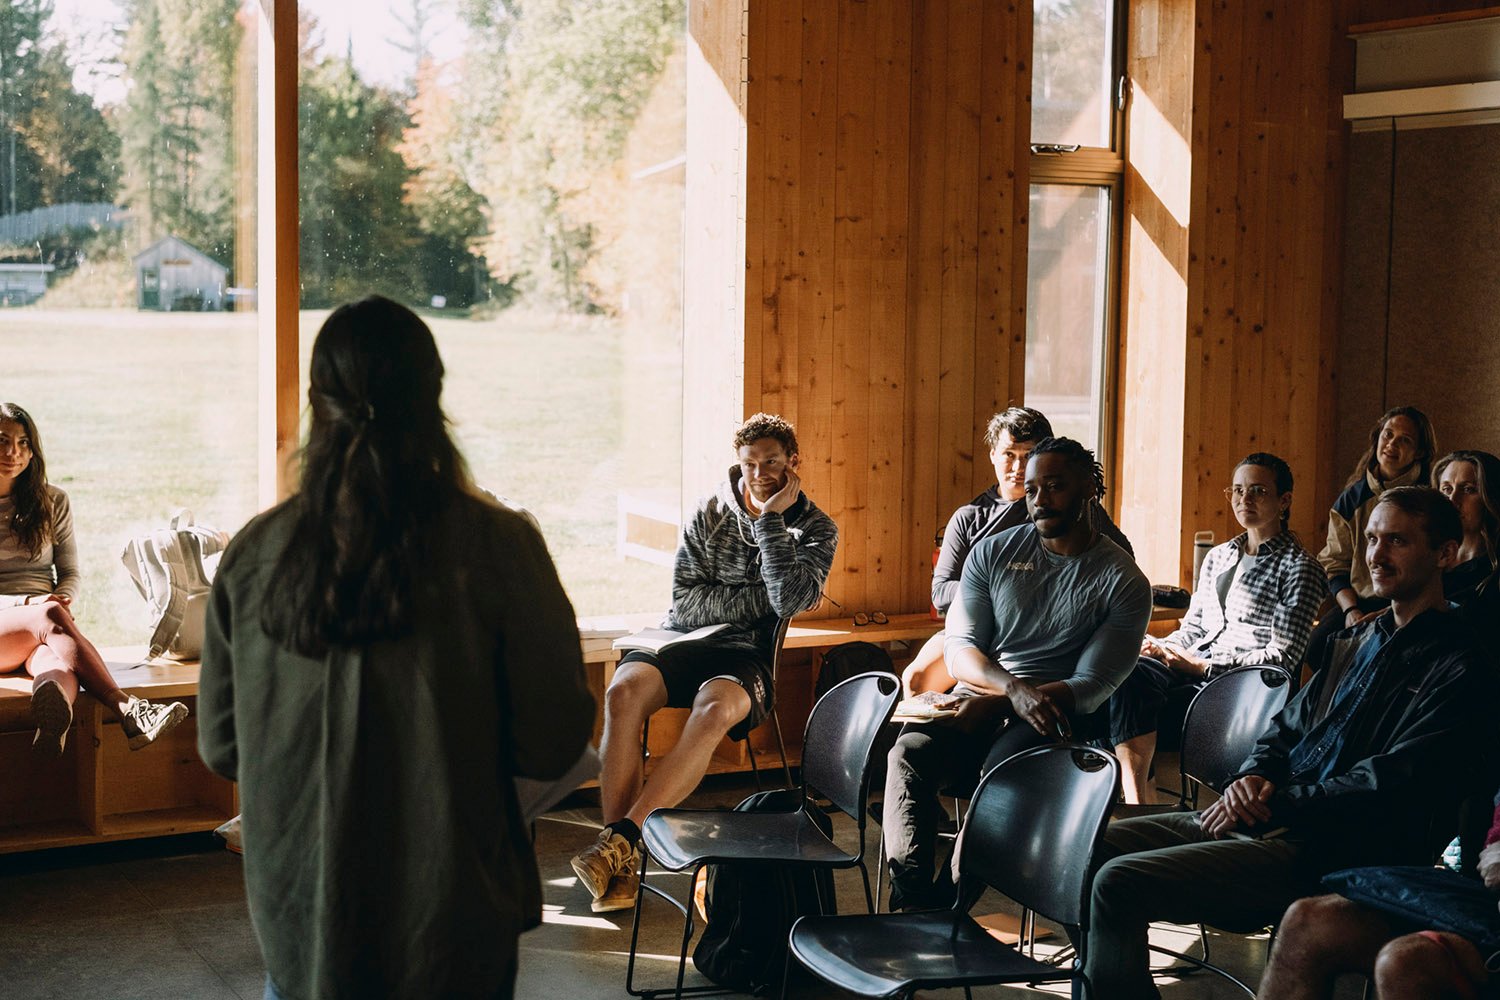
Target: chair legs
column 781, row 747
column 687, row 935
column 1199, row 963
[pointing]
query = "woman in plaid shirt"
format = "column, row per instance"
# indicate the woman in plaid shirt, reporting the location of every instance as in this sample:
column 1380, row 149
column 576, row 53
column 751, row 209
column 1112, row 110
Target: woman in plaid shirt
column 1254, row 605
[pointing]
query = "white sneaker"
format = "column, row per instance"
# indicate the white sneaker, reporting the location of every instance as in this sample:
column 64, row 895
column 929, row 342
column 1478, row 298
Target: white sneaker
column 144, row 722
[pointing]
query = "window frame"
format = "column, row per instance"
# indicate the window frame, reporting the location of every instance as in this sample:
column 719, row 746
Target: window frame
column 1096, row 166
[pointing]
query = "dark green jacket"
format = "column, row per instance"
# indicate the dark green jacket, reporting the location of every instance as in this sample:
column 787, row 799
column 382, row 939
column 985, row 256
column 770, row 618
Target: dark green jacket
column 384, row 852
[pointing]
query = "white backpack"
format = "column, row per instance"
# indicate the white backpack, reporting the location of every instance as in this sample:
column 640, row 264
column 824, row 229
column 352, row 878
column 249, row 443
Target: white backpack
column 172, row 569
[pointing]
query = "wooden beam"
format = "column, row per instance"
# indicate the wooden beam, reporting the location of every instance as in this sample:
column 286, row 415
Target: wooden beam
column 277, row 293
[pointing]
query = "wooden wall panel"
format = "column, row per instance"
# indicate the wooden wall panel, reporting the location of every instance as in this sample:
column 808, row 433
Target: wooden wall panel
column 1159, row 200
column 885, row 277
column 715, row 351
column 1260, row 277
column 1422, row 214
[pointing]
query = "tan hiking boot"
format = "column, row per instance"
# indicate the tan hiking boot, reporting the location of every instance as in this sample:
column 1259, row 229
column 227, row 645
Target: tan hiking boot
column 601, row 861
column 622, row 888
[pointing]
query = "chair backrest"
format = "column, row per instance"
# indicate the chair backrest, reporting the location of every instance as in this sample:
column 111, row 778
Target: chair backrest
column 840, row 732
column 1226, row 719
column 1033, row 824
column 778, row 639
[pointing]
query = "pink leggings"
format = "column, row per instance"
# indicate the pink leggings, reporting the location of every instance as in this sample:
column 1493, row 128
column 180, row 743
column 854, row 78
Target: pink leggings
column 45, row 640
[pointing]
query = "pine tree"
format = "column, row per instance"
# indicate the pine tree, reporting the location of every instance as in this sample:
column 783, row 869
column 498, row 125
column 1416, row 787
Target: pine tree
column 21, row 25
column 177, row 146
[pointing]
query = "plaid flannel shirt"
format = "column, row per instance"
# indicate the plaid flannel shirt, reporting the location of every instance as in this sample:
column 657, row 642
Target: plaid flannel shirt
column 1267, row 615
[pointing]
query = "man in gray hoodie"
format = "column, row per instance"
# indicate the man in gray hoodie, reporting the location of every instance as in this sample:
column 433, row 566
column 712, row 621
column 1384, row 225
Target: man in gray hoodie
column 756, row 551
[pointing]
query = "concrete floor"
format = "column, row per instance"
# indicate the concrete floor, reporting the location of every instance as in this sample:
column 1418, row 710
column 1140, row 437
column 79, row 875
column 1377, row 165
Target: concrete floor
column 166, row 919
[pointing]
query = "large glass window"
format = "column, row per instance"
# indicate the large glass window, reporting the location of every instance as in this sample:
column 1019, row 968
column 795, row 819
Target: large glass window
column 1076, row 172
column 1067, row 305
column 1073, row 72
column 515, row 172
column 127, row 268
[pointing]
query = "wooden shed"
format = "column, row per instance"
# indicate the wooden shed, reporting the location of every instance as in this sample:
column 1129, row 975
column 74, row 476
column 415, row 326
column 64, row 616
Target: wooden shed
column 172, row 275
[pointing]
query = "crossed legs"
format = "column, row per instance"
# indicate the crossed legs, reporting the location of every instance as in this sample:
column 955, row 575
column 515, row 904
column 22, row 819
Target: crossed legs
column 45, row 640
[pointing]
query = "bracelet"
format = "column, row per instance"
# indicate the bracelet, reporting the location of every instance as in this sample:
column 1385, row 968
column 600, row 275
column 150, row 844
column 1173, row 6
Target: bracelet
column 1351, row 611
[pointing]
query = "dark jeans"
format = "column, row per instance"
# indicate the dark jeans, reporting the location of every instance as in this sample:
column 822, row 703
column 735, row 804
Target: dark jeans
column 1164, row 868
column 948, row 754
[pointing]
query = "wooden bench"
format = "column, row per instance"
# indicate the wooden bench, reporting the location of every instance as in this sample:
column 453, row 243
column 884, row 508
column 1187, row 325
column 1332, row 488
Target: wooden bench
column 797, row 673
column 99, row 789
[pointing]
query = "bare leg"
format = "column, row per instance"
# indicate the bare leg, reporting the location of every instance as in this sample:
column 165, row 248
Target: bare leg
column 1321, row 938
column 1421, row 965
column 927, row 671
column 58, row 652
column 719, row 705
column 1135, row 767
column 635, row 693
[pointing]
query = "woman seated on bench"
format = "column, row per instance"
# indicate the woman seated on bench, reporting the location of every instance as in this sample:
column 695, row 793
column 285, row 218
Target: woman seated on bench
column 38, row 579
column 1254, row 604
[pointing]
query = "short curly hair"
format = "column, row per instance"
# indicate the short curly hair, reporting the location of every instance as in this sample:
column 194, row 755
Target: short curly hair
column 767, row 425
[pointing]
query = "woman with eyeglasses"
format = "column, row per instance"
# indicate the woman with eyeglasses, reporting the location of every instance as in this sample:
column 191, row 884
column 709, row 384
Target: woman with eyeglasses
column 1254, row 605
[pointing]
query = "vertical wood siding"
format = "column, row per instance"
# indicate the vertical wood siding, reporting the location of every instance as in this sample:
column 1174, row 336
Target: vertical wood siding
column 885, row 272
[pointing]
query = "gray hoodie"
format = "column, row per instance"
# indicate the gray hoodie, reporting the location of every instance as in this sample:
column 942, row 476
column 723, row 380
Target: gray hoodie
column 748, row 572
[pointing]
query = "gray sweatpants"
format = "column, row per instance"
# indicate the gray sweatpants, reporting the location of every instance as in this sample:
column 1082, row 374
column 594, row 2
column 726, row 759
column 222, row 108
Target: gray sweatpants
column 1165, row 868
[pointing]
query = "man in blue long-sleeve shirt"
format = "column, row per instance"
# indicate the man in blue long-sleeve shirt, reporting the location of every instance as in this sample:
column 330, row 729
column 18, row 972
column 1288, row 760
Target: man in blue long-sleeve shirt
column 1048, row 622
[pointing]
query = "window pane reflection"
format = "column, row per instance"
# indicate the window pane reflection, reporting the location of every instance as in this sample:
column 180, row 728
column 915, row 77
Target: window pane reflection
column 1067, row 289
column 127, row 269
column 515, row 172
column 1073, row 72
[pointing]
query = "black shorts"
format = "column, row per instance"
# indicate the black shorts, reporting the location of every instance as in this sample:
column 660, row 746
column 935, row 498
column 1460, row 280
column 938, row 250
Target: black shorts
column 1136, row 705
column 687, row 666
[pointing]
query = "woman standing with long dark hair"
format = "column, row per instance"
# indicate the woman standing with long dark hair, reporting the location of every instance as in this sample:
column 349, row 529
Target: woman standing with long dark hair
column 384, row 653
column 38, row 581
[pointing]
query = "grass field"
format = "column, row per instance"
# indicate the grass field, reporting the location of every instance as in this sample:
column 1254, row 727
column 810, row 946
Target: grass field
column 142, row 413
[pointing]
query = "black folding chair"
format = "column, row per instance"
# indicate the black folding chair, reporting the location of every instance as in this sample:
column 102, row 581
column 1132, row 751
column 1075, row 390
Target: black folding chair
column 777, row 642
column 835, row 763
column 1030, row 834
column 1224, row 721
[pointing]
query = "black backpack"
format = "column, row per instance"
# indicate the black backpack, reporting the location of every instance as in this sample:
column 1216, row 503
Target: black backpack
column 751, row 908
column 850, row 660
